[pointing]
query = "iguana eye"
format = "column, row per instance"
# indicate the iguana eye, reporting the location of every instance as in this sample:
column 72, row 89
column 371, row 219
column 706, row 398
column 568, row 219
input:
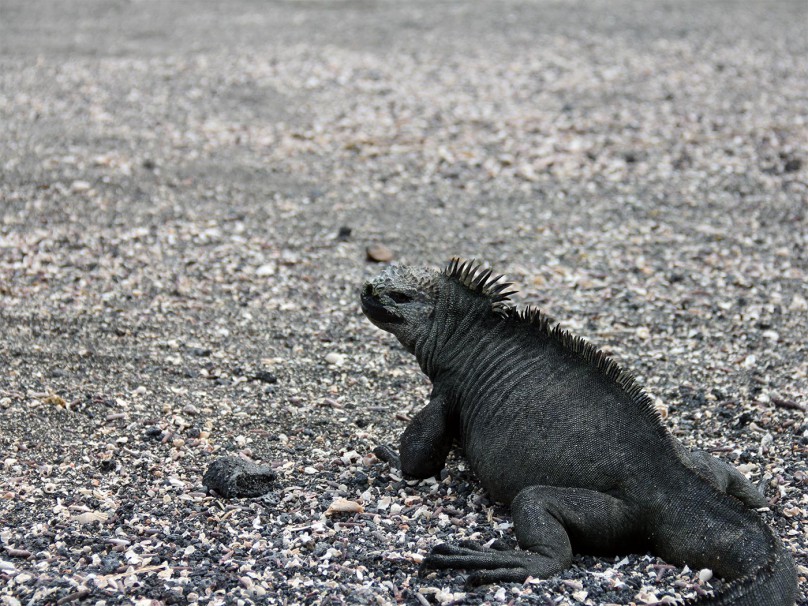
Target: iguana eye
column 399, row 297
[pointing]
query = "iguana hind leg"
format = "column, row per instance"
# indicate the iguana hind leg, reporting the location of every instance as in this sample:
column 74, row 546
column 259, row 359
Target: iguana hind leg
column 727, row 479
column 549, row 522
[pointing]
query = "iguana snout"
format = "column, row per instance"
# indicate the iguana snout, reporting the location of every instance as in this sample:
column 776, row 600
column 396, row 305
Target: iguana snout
column 373, row 306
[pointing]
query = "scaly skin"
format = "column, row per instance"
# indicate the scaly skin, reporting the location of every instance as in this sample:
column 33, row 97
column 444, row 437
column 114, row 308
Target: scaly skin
column 560, row 433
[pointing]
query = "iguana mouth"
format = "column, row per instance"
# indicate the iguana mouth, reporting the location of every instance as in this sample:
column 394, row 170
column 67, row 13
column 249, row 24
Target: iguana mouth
column 376, row 311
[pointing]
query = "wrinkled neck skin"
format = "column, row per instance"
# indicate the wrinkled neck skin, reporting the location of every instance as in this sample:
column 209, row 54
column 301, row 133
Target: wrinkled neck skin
column 451, row 331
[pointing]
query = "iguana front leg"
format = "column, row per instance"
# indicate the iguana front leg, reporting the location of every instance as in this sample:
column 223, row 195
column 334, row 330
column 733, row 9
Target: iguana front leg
column 425, row 443
column 548, row 522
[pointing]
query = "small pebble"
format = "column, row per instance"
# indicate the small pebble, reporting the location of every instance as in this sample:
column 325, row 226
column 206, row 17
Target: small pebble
column 336, row 359
column 265, row 377
column 268, row 269
column 79, row 186
column 379, row 253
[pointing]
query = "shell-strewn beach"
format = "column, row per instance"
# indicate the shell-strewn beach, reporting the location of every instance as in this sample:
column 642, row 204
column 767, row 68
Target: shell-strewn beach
column 188, row 191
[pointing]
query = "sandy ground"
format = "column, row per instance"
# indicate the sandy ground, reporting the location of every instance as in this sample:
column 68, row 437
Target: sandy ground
column 187, row 190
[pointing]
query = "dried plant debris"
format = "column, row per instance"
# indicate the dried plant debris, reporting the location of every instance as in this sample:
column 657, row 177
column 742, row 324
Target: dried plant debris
column 234, row 477
column 183, row 231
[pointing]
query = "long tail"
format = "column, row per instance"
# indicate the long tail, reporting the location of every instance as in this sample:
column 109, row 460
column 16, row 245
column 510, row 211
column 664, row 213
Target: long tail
column 774, row 583
column 713, row 530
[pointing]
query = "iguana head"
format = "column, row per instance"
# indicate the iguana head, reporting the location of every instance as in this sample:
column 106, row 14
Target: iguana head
column 401, row 301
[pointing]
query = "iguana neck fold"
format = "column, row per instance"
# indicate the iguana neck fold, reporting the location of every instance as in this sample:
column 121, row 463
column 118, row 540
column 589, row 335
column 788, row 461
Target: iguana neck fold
column 452, row 329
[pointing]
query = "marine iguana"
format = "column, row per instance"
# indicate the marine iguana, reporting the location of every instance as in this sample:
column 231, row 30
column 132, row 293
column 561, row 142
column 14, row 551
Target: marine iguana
column 560, row 432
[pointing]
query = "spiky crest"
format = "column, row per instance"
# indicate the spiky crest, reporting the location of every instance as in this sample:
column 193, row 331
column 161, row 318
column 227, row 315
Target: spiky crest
column 471, row 275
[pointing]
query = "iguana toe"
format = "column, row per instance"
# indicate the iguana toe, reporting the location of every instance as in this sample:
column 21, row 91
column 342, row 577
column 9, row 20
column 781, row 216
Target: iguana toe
column 498, row 575
column 445, row 555
column 496, row 544
column 449, row 549
column 490, row 565
column 387, row 454
column 468, row 544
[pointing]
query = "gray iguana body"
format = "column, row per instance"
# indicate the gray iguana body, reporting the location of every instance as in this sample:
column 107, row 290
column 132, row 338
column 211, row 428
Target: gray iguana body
column 555, row 429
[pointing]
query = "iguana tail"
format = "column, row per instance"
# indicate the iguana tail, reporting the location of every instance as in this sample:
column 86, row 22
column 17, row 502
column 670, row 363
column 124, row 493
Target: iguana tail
column 774, row 583
column 716, row 531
